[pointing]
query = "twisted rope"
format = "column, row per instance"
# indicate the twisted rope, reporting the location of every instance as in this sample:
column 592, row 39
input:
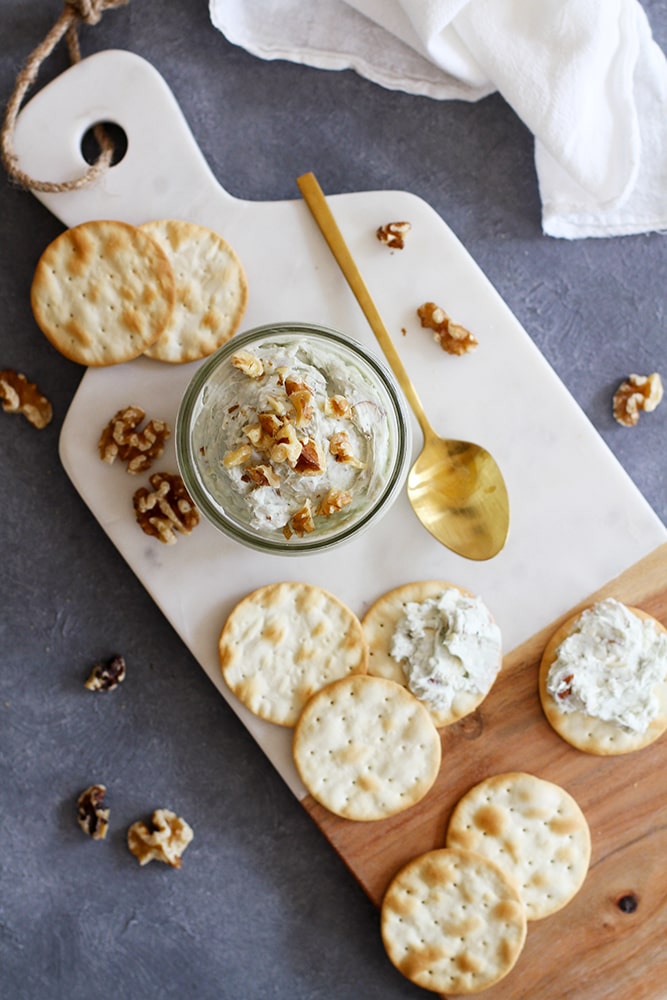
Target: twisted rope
column 74, row 13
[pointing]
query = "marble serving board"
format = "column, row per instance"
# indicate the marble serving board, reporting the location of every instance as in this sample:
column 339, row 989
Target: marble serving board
column 578, row 521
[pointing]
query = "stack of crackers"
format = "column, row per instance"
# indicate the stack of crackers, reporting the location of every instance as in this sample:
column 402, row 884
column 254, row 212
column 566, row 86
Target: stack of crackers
column 105, row 292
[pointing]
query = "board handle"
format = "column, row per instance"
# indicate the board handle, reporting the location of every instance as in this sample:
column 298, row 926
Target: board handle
column 162, row 156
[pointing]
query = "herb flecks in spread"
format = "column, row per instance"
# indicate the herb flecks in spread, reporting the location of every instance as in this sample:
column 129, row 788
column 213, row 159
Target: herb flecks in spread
column 609, row 666
column 447, row 644
column 299, row 435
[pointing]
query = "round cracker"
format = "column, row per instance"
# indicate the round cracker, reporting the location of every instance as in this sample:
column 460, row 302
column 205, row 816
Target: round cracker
column 285, row 641
column 533, row 829
column 103, row 292
column 365, row 748
column 584, row 731
column 379, row 624
column 453, row 922
column 211, row 291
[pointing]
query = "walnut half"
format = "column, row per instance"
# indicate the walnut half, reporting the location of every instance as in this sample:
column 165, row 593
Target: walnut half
column 166, row 842
column 166, row 509
column 18, row 395
column 121, row 439
column 637, row 393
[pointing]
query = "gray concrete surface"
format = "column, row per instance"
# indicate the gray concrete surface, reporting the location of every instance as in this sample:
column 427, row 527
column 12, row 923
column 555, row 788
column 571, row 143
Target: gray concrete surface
column 262, row 906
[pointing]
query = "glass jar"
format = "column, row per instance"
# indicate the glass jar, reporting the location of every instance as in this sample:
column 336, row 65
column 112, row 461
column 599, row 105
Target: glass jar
column 270, row 386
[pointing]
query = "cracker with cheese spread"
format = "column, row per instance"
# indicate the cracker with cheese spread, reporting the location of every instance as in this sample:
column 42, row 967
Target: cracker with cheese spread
column 603, row 679
column 438, row 640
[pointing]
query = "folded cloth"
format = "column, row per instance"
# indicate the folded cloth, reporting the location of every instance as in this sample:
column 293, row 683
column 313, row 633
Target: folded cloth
column 585, row 76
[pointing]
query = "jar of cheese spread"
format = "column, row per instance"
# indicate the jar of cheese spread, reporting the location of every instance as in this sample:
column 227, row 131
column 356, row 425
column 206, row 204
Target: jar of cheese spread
column 292, row 438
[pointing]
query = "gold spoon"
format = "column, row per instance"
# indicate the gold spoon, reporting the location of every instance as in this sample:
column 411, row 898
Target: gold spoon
column 456, row 488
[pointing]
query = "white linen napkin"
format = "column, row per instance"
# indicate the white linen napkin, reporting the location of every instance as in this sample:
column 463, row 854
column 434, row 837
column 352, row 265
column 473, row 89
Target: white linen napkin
column 585, row 76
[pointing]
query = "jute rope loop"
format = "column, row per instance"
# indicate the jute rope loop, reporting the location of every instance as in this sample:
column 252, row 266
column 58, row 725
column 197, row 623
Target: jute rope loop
column 74, row 13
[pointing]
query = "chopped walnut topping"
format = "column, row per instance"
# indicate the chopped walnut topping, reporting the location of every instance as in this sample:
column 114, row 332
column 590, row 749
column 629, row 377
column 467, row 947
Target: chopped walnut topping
column 637, row 393
column 165, row 510
column 301, row 399
column 139, row 449
column 270, row 423
column 393, row 234
column 18, row 395
column 165, row 842
column 277, row 406
column 452, row 337
column 91, row 815
column 106, row 676
column 302, row 522
column 340, row 448
column 287, row 447
column 250, row 365
column 338, row 406
column 261, row 475
column 334, row 501
column 311, row 461
column 237, row 457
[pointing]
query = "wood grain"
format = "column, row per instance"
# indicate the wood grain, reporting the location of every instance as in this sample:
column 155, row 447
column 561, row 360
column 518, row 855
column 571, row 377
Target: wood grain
column 592, row 949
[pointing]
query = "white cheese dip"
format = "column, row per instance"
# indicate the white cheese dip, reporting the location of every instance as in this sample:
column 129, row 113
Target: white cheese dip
column 609, row 666
column 447, row 644
column 342, row 405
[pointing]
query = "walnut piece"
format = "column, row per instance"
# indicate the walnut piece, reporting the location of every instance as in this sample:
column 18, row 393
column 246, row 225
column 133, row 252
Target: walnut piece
column 452, row 337
column 340, row 447
column 166, row 509
column 637, row 393
column 338, row 406
column 334, row 501
column 166, row 842
column 91, row 815
column 312, row 460
column 302, row 522
column 106, row 676
column 139, row 449
column 393, row 234
column 247, row 363
column 18, row 395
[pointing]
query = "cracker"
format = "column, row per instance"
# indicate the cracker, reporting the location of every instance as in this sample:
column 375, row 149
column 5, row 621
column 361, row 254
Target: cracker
column 211, row 291
column 585, row 732
column 533, row 829
column 379, row 624
column 365, row 748
column 285, row 641
column 453, row 922
column 103, row 292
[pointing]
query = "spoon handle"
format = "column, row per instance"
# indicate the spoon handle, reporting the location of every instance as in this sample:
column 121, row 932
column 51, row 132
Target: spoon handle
column 317, row 203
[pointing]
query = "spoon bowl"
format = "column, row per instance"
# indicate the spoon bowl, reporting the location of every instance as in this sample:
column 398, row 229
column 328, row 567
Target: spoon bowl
column 456, row 488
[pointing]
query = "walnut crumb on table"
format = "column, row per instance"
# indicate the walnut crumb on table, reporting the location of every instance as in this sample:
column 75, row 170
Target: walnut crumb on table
column 452, row 337
column 18, row 395
column 91, row 815
column 393, row 234
column 636, row 393
column 105, row 676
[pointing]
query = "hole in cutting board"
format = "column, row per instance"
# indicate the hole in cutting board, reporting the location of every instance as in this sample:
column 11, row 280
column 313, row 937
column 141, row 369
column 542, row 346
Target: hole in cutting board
column 90, row 147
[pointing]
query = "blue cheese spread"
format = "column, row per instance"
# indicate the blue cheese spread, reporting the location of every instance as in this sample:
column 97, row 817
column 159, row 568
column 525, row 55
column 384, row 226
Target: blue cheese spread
column 445, row 645
column 609, row 666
